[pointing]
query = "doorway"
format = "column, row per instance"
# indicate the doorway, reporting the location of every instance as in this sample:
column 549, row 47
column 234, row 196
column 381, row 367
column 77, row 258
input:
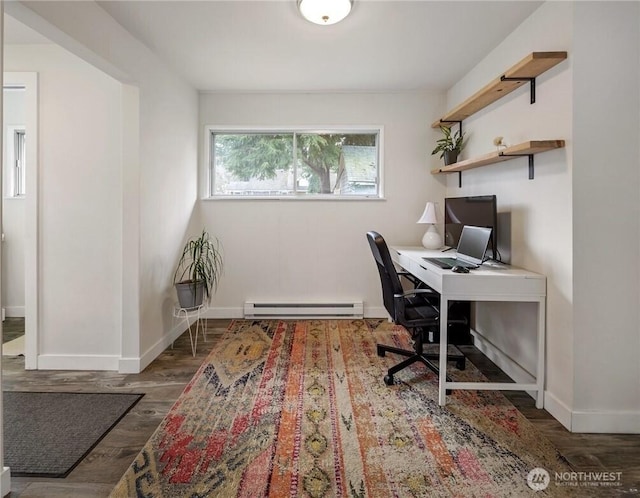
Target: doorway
column 19, row 214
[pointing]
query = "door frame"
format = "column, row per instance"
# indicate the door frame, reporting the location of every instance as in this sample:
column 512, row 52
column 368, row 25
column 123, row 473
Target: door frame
column 29, row 81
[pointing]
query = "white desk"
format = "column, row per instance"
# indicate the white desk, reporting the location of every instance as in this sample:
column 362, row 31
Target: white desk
column 488, row 283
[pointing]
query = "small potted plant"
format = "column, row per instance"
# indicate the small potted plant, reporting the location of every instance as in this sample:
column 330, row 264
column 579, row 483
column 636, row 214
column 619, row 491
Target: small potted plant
column 450, row 145
column 198, row 271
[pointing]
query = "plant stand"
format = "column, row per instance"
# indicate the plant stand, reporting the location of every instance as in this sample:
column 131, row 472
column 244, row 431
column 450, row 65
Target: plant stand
column 186, row 315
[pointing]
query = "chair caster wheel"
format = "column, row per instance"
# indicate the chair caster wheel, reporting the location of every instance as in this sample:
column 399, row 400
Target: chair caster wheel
column 388, row 380
column 461, row 364
column 381, row 351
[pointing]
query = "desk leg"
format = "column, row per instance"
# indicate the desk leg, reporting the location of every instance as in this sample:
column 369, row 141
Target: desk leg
column 442, row 378
column 542, row 327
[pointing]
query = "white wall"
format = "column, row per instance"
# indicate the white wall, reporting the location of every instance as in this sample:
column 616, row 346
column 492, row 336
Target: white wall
column 315, row 250
column 606, row 209
column 13, row 213
column 80, row 213
column 592, row 313
column 159, row 126
column 538, row 211
column 168, row 194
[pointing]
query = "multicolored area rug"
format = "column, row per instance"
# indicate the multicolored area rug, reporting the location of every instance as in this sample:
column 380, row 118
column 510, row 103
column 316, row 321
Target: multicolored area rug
column 299, row 408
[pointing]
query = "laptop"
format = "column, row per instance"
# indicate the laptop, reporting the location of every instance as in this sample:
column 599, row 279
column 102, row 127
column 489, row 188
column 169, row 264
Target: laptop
column 471, row 249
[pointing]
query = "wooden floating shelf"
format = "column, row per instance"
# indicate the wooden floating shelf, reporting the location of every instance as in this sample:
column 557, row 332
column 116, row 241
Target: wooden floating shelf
column 524, row 149
column 524, row 71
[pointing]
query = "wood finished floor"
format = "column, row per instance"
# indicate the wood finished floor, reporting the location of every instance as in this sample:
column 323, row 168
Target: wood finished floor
column 12, row 328
column 163, row 381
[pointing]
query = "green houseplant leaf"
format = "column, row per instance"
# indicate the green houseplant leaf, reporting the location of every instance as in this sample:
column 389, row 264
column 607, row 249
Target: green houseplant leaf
column 449, row 142
column 201, row 261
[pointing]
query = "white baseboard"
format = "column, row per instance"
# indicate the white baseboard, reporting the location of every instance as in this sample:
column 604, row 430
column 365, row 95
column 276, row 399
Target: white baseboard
column 77, row 362
column 508, row 365
column 558, row 410
column 606, row 422
column 129, row 366
column 5, row 481
column 137, row 365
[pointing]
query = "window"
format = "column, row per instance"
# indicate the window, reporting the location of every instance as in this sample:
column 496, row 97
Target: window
column 16, row 147
column 295, row 164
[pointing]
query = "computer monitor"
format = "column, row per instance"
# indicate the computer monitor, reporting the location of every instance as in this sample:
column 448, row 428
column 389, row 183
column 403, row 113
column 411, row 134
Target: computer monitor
column 479, row 210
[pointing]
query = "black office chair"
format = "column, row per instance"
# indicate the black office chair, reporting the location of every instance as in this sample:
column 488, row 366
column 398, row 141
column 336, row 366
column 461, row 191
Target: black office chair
column 417, row 310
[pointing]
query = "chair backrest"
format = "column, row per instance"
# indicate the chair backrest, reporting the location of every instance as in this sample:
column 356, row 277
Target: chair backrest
column 388, row 276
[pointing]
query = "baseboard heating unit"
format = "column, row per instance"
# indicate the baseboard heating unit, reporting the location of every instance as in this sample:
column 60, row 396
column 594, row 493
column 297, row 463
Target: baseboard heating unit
column 254, row 309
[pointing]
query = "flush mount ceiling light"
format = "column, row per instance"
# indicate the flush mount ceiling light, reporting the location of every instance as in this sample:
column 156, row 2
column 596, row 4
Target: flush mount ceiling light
column 325, row 12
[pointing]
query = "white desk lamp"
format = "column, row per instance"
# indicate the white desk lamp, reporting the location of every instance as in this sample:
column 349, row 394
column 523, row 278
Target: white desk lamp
column 431, row 238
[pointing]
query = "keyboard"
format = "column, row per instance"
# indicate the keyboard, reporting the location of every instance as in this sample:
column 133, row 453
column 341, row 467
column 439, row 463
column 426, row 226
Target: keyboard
column 448, row 263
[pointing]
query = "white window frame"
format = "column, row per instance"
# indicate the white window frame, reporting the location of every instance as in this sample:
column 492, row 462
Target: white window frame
column 207, row 168
column 16, row 186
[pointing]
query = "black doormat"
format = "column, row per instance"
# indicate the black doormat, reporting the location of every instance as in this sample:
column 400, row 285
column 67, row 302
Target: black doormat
column 48, row 434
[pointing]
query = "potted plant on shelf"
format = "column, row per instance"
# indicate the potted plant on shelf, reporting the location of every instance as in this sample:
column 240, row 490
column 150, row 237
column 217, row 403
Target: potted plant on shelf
column 198, row 271
column 450, row 145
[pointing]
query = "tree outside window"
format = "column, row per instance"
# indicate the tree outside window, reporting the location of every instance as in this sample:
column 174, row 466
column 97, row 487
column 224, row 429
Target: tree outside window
column 332, row 163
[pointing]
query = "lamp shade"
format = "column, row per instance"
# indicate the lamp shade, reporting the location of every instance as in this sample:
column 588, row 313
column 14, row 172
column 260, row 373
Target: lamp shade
column 431, row 238
column 324, row 12
column 429, row 215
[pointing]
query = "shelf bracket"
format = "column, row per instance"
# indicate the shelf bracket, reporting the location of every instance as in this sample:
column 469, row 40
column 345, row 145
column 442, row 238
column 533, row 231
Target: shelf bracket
column 532, row 85
column 530, row 156
column 459, row 123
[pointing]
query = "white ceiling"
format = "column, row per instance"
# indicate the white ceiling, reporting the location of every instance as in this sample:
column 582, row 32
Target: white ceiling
column 265, row 45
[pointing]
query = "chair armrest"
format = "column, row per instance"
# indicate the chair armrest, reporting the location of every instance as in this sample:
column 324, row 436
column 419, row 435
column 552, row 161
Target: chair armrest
column 417, row 283
column 413, row 292
column 410, row 277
